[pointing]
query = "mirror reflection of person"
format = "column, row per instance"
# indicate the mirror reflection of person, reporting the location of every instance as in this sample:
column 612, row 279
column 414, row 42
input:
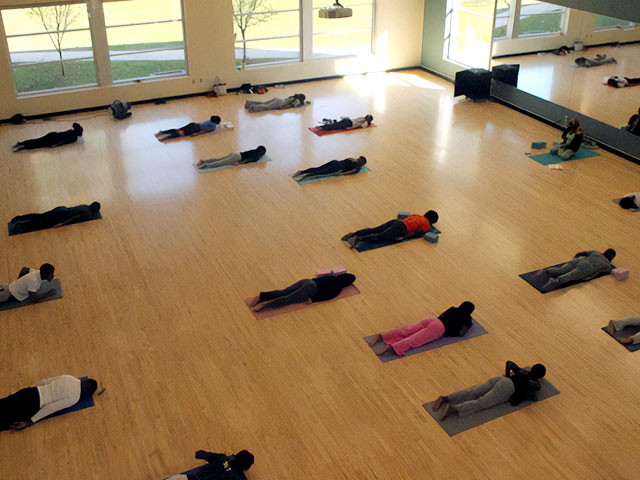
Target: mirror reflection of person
column 572, row 138
column 633, row 125
column 630, row 201
column 621, row 82
column 594, row 61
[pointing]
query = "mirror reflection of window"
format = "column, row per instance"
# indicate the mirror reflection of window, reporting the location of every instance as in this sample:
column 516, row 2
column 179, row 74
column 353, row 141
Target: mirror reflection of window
column 540, row 18
column 602, row 22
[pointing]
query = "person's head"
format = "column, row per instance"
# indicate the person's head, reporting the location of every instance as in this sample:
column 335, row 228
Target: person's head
column 243, row 460
column 47, row 271
column 613, row 82
column 432, row 216
column 77, row 128
column 94, row 207
column 261, row 150
column 609, row 254
column 345, row 279
column 361, row 161
column 369, row 118
column 300, row 97
column 215, row 119
column 88, row 387
column 538, row 371
column 627, row 202
column 574, row 124
column 467, row 307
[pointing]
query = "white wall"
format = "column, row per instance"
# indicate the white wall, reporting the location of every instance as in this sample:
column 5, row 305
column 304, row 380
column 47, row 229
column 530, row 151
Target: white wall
column 210, row 53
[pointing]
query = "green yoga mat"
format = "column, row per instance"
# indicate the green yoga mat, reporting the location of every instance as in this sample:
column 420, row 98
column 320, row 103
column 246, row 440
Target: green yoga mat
column 549, row 159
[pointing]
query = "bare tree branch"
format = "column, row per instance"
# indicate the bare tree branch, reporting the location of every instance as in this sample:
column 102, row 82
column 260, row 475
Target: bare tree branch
column 55, row 20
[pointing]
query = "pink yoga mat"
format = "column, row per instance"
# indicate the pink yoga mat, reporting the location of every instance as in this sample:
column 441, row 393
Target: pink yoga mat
column 321, row 133
column 349, row 291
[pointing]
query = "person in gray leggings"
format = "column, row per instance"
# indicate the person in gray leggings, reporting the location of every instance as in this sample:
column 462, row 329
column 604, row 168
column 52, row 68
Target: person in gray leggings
column 615, row 325
column 293, row 101
column 236, row 158
column 584, row 266
column 517, row 385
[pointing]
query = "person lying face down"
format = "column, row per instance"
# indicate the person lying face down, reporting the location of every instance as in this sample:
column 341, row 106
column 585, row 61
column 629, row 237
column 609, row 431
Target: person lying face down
column 348, row 166
column 236, row 158
column 292, row 101
column 308, row 290
column 584, row 266
column 56, row 217
column 517, row 385
column 594, row 61
column 190, row 129
column 30, row 405
column 630, row 201
column 51, row 139
column 615, row 325
column 454, row 322
column 621, row 82
column 27, row 284
column 394, row 230
column 346, row 123
column 219, row 467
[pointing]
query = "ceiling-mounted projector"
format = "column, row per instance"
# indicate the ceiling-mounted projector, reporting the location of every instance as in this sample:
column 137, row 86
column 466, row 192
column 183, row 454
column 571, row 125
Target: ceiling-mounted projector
column 335, row 11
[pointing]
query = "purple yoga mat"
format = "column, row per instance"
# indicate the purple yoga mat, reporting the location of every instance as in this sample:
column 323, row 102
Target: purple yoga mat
column 475, row 331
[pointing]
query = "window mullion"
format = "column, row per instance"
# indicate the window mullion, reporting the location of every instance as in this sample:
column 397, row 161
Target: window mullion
column 306, row 29
column 100, row 43
column 513, row 28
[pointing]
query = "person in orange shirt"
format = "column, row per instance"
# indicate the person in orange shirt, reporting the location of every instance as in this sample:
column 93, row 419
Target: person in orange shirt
column 394, row 230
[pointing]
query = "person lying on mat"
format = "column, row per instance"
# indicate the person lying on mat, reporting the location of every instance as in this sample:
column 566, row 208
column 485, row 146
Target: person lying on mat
column 394, row 230
column 56, row 217
column 307, row 290
column 584, row 266
column 630, row 201
column 572, row 138
column 454, row 322
column 345, row 123
column 348, row 166
column 219, row 467
column 517, row 385
column 190, row 129
column 633, row 125
column 615, row 325
column 51, row 139
column 29, row 405
column 28, row 283
column 621, row 82
column 236, row 158
column 594, row 61
column 293, row 101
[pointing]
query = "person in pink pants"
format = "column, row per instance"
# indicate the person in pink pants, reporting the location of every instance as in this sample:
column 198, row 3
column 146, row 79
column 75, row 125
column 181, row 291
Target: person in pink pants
column 454, row 322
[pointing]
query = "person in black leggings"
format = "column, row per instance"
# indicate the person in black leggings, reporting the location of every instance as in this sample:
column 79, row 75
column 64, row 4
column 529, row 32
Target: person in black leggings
column 307, row 290
column 348, row 166
column 347, row 123
column 621, row 82
column 51, row 139
column 57, row 217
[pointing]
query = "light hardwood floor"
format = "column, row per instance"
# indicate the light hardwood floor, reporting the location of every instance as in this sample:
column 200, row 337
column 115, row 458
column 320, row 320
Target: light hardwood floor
column 153, row 303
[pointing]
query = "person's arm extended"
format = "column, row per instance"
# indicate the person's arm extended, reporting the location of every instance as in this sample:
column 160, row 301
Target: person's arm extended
column 209, row 456
column 67, row 221
column 24, row 271
column 463, row 331
column 51, row 408
column 510, row 368
column 352, row 172
column 586, row 253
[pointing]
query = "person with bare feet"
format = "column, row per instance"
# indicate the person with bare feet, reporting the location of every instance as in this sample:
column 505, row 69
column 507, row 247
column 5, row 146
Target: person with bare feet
column 394, row 230
column 236, row 158
column 584, row 266
column 308, row 290
column 348, row 166
column 455, row 322
column 27, row 285
column 615, row 325
column 517, row 385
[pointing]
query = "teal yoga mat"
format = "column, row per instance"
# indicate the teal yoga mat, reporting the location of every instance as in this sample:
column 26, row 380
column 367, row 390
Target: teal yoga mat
column 548, row 159
column 324, row 177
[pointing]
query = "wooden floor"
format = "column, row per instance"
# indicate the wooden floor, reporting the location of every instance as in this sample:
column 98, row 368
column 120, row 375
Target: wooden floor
column 153, row 303
column 551, row 77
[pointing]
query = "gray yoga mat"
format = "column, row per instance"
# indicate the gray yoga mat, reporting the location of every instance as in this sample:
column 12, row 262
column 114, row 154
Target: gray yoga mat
column 539, row 281
column 45, row 287
column 625, row 332
column 617, row 202
column 454, row 425
column 323, row 177
column 265, row 158
column 475, row 331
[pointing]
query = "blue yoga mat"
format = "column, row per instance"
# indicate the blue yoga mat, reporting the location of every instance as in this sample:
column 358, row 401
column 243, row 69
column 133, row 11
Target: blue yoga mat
column 475, row 331
column 549, row 159
column 323, row 177
column 372, row 246
column 12, row 231
column 265, row 158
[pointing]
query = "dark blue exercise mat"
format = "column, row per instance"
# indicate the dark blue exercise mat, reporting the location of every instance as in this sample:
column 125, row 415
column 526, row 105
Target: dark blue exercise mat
column 265, row 158
column 625, row 332
column 323, row 177
column 475, row 331
column 617, row 202
column 193, row 472
column 549, row 159
column 12, row 231
column 45, row 287
column 373, row 246
column 539, row 281
column 454, row 425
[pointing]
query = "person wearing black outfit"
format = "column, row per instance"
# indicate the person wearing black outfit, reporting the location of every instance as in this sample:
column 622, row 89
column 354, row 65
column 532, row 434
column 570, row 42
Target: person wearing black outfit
column 219, row 467
column 236, row 158
column 517, row 385
column 621, row 82
column 51, row 139
column 348, row 166
column 308, row 290
column 572, row 138
column 57, row 217
column 633, row 125
column 346, row 123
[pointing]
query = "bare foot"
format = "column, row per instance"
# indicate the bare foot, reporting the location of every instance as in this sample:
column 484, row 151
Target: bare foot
column 259, row 307
column 381, row 349
column 611, row 328
column 347, row 236
column 297, row 173
column 551, row 284
column 200, row 164
column 448, row 409
column 254, row 302
column 539, row 272
column 438, row 403
column 373, row 340
column 625, row 339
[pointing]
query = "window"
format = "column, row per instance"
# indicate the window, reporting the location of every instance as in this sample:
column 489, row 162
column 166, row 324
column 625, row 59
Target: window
column 503, row 15
column 603, row 22
column 342, row 36
column 50, row 47
column 266, row 31
column 540, row 18
column 470, row 23
column 145, row 37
